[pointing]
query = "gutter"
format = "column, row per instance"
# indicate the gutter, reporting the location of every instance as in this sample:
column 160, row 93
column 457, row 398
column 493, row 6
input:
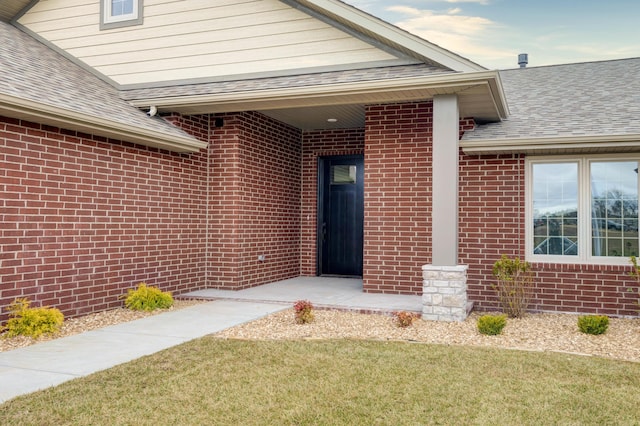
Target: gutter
column 553, row 145
column 334, row 94
column 19, row 108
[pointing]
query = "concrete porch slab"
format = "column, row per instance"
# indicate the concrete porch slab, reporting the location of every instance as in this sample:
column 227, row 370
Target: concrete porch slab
column 323, row 292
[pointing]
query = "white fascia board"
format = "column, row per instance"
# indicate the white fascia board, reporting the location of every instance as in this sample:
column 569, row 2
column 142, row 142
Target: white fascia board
column 394, row 34
column 45, row 114
column 337, row 93
column 558, row 144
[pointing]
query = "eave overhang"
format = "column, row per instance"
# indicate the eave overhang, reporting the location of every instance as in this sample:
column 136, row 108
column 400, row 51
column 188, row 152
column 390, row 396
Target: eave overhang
column 54, row 116
column 388, row 34
column 481, row 96
column 555, row 145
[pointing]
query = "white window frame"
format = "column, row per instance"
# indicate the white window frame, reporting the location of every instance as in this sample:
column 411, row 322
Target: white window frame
column 584, row 210
column 108, row 21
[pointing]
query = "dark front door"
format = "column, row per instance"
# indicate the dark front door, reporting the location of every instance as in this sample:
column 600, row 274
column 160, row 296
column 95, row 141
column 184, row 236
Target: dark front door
column 340, row 215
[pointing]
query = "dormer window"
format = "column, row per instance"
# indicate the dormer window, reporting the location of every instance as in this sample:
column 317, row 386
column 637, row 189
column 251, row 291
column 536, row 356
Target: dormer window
column 120, row 13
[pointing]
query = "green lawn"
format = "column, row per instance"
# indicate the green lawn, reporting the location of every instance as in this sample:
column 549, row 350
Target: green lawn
column 213, row 381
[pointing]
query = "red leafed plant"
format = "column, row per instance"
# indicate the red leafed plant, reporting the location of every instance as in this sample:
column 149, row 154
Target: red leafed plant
column 404, row 318
column 304, row 311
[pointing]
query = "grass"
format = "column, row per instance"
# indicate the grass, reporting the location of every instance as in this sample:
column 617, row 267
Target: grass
column 340, row 382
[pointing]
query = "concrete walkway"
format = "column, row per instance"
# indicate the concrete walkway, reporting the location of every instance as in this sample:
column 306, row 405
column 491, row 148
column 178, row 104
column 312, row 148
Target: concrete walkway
column 50, row 363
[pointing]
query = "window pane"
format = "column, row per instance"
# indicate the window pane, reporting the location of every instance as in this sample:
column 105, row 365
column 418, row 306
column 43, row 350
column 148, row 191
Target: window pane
column 343, row 174
column 555, row 208
column 121, row 7
column 614, row 208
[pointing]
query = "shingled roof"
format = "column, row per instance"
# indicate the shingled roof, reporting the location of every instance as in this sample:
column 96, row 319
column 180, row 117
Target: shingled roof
column 300, row 80
column 39, row 81
column 594, row 99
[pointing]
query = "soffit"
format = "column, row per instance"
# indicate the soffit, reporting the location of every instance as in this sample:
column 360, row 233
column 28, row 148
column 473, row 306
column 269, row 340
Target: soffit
column 473, row 101
column 309, row 107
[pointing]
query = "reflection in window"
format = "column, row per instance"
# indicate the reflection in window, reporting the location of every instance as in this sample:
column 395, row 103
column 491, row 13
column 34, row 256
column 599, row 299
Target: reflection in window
column 614, row 208
column 343, row 174
column 555, row 209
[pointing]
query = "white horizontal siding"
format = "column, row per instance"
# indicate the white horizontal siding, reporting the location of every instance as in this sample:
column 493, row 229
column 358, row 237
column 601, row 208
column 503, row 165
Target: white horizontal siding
column 197, row 39
column 198, row 70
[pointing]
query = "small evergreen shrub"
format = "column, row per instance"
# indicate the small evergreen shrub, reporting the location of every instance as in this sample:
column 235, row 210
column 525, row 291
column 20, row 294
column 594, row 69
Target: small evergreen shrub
column 303, row 312
column 636, row 274
column 515, row 285
column 404, row 318
column 146, row 298
column 491, row 325
column 32, row 322
column 593, row 324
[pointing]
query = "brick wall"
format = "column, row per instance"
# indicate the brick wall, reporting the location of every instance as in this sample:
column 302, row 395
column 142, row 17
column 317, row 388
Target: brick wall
column 491, row 219
column 84, row 218
column 254, row 201
column 492, row 223
column 318, row 144
column 397, row 225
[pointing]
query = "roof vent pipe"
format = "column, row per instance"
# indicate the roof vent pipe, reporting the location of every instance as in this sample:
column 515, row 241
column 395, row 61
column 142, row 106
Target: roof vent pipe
column 523, row 60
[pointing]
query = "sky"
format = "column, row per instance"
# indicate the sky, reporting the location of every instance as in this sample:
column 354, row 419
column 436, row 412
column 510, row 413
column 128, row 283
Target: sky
column 493, row 32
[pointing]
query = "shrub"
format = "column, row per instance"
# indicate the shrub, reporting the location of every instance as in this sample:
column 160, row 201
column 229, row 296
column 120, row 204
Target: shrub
column 404, row 318
column 515, row 285
column 491, row 325
column 147, row 298
column 635, row 273
column 32, row 322
column 303, row 312
column 593, row 324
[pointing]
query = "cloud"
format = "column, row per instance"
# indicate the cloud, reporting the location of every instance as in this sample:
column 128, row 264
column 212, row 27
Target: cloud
column 482, row 2
column 468, row 36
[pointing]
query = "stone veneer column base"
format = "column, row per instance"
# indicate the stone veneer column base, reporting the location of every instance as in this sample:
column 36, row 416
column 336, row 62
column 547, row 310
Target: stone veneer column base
column 444, row 293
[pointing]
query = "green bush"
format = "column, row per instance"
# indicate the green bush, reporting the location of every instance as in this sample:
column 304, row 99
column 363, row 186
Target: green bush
column 147, row 298
column 491, row 325
column 303, row 312
column 32, row 322
column 593, row 324
column 636, row 274
column 515, row 285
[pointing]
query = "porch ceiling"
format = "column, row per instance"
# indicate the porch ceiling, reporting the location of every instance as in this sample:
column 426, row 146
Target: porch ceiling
column 308, row 108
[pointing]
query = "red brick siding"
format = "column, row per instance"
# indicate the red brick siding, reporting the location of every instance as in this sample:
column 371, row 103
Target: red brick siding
column 255, row 188
column 492, row 222
column 83, row 218
column 318, row 144
column 397, row 225
column 491, row 218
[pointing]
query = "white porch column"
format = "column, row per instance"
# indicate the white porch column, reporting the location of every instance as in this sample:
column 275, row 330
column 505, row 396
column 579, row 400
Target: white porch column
column 444, row 219
column 444, row 289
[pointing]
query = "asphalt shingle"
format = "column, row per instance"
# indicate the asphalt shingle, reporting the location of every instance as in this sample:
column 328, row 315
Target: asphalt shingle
column 302, row 80
column 585, row 99
column 33, row 72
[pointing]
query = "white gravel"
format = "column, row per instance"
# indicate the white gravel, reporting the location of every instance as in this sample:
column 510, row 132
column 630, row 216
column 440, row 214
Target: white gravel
column 536, row 332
